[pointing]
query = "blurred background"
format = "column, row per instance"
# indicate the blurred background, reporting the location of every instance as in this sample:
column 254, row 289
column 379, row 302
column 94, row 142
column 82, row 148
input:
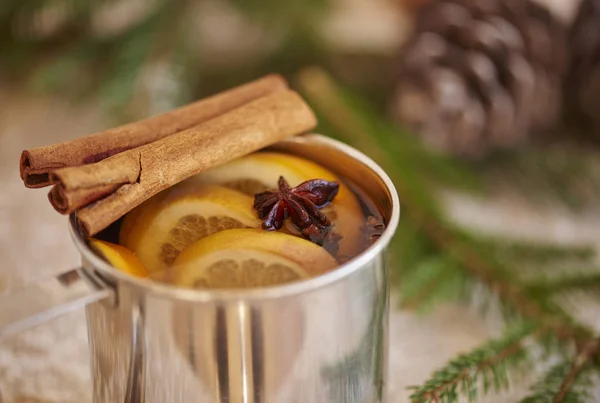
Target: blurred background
column 484, row 112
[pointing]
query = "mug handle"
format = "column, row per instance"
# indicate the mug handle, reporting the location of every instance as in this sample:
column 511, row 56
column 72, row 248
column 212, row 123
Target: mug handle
column 47, row 299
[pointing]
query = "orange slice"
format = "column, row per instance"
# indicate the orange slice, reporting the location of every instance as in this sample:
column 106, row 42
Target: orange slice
column 158, row 230
column 245, row 258
column 119, row 257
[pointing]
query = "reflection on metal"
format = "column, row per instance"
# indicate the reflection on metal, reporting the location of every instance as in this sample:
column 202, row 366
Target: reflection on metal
column 136, row 383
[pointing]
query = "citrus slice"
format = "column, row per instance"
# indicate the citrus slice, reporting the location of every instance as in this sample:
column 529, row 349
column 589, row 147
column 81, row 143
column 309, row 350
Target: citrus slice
column 260, row 171
column 119, row 257
column 159, row 229
column 244, row 258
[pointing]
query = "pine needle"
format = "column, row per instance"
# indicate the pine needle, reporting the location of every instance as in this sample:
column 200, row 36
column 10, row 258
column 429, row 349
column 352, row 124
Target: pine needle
column 567, row 175
column 432, row 281
column 487, row 365
column 565, row 382
column 577, row 281
column 528, row 252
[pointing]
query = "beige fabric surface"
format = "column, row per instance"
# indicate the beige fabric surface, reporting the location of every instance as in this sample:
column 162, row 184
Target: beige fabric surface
column 50, row 364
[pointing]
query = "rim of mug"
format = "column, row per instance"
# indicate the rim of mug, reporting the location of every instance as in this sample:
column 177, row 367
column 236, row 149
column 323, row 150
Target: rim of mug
column 201, row 295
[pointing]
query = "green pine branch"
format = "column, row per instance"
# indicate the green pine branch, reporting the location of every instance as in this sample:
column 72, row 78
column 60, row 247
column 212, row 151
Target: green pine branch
column 488, row 366
column 542, row 269
column 566, row 382
column 578, row 281
column 528, row 252
column 432, row 281
column 548, row 174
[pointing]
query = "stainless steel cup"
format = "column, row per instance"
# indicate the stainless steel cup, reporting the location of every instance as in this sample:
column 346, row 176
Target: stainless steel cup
column 323, row 340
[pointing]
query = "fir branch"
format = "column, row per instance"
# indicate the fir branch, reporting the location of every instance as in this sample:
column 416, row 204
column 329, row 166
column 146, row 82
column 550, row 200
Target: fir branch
column 564, row 382
column 565, row 174
column 498, row 280
column 487, row 364
column 532, row 262
column 536, row 252
column 585, row 355
column 580, row 281
column 433, row 280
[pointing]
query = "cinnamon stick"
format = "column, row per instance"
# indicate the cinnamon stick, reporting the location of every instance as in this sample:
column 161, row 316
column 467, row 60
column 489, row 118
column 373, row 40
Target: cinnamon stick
column 67, row 202
column 141, row 173
column 37, row 163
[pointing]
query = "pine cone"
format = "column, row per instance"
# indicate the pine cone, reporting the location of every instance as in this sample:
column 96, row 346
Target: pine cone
column 481, row 74
column 583, row 82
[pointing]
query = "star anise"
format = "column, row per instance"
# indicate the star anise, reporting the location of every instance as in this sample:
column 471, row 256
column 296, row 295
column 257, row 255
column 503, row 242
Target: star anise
column 325, row 237
column 374, row 228
column 301, row 204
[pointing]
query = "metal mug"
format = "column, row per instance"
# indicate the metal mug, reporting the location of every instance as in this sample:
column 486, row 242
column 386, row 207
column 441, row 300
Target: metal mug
column 323, row 340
